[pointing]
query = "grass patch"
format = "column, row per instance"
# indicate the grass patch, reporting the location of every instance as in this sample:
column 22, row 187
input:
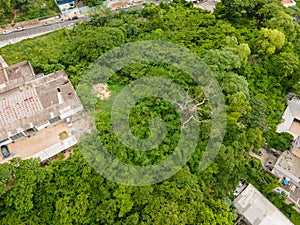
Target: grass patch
column 43, row 52
column 295, row 218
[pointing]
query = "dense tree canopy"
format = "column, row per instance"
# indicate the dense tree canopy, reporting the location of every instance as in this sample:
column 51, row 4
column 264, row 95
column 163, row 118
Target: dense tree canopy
column 18, row 10
column 255, row 58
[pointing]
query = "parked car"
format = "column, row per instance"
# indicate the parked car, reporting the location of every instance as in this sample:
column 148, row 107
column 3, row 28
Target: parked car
column 47, row 23
column 69, row 122
column 75, row 18
column 6, row 32
column 5, row 151
column 19, row 29
column 71, row 25
column 271, row 151
column 60, row 21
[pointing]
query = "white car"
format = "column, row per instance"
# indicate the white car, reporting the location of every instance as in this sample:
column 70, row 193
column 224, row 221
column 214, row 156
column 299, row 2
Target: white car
column 6, row 32
column 19, row 29
column 71, row 25
column 48, row 23
column 60, row 21
column 69, row 122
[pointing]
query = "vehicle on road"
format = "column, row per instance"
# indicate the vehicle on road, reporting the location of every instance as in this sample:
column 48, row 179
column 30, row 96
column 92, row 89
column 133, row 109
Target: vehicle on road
column 5, row 151
column 6, row 32
column 60, row 21
column 71, row 25
column 75, row 18
column 47, row 23
column 19, row 29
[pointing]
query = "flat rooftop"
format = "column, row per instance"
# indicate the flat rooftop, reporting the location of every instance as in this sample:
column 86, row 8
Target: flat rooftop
column 257, row 209
column 291, row 118
column 290, row 163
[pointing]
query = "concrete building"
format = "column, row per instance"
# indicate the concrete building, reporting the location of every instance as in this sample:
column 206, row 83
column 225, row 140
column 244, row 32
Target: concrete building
column 30, row 103
column 67, row 8
column 291, row 118
column 64, row 5
column 255, row 209
column 288, row 166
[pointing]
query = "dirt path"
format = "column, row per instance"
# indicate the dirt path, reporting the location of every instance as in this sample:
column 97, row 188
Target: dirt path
column 17, row 13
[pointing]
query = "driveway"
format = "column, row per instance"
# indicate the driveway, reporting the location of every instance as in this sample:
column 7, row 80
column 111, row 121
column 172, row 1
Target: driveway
column 265, row 158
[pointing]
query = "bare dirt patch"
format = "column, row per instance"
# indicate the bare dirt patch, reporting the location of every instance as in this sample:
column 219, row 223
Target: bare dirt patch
column 67, row 153
column 119, row 4
column 102, row 91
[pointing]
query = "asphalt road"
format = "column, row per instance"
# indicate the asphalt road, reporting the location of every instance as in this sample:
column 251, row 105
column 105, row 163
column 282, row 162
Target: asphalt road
column 38, row 30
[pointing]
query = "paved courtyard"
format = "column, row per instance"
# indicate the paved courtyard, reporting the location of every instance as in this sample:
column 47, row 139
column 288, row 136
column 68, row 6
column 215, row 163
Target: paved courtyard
column 265, row 158
column 49, row 137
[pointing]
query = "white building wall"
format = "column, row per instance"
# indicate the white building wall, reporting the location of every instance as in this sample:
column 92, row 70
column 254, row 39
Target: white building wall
column 43, row 125
column 55, row 149
column 293, row 3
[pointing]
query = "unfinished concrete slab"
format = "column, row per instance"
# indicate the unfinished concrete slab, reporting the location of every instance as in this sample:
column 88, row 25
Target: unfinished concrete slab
column 257, row 209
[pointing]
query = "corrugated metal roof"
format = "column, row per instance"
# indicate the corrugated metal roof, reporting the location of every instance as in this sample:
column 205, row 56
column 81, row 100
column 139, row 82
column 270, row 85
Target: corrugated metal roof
column 28, row 100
